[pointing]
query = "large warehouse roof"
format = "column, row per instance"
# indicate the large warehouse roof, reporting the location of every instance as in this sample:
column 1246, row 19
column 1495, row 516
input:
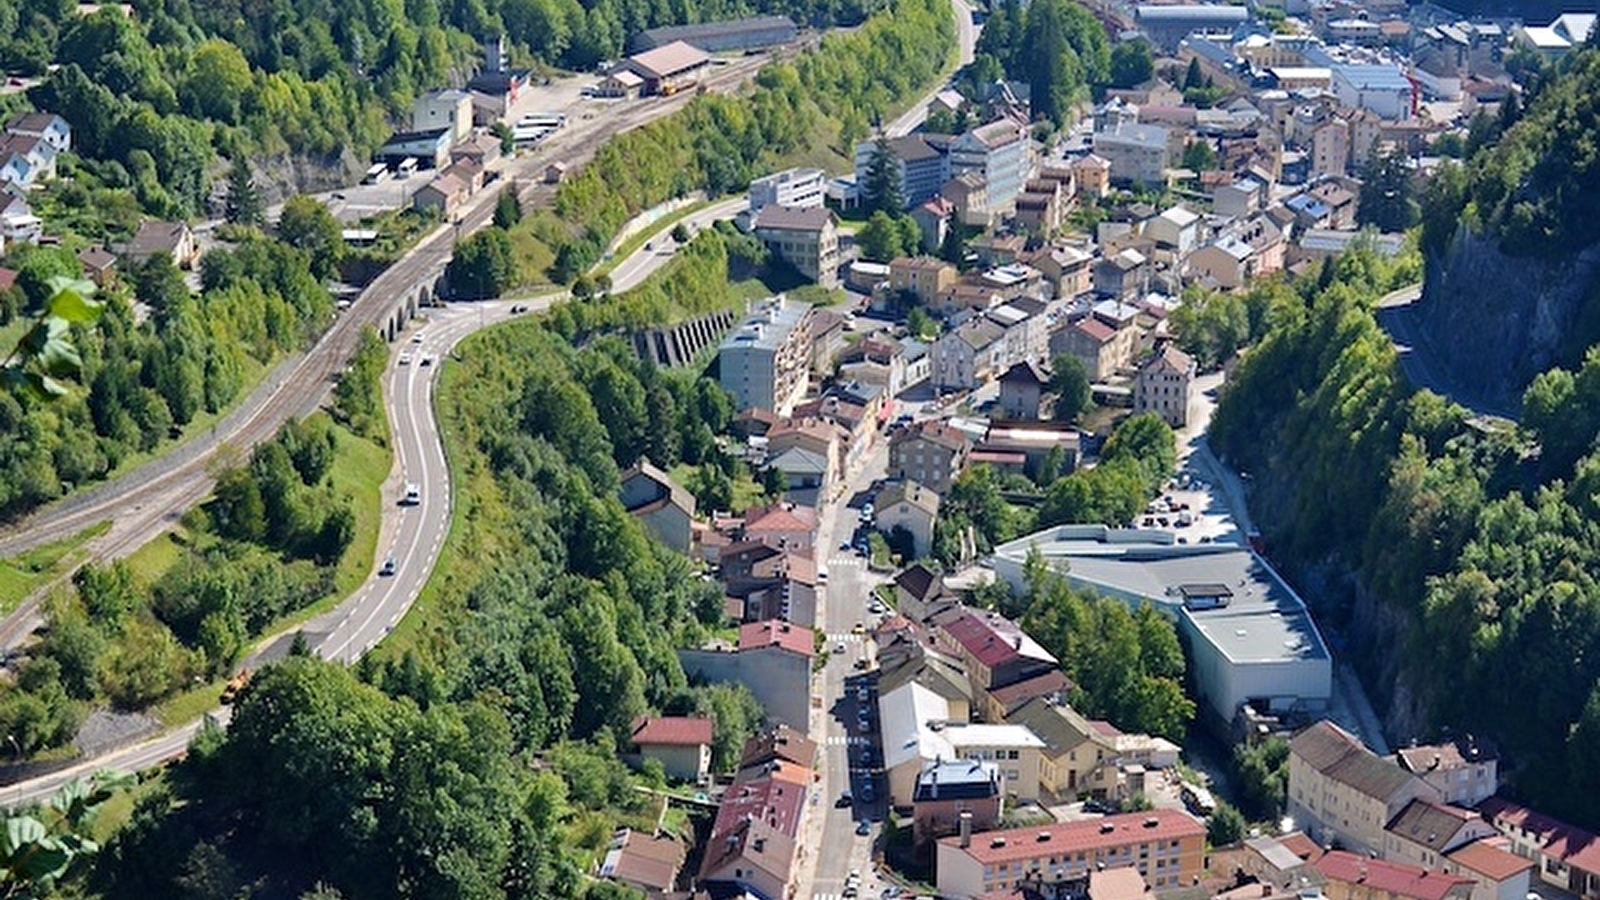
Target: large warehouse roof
column 667, row 61
column 1234, row 599
column 1192, row 13
column 774, row 27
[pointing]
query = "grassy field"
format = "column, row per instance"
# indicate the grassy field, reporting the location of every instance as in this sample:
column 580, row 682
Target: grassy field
column 152, row 560
column 659, row 227
column 25, row 573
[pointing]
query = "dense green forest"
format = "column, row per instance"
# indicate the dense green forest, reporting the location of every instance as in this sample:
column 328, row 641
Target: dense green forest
column 1058, row 48
column 822, row 102
column 1536, row 179
column 155, row 95
column 151, row 370
column 1462, row 556
column 274, row 541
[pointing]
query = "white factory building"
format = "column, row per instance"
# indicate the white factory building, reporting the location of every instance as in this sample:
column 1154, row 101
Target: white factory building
column 1250, row 637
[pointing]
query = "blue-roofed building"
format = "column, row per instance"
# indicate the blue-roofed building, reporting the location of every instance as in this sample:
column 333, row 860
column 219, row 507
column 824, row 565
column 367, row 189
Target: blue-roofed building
column 1384, row 90
column 953, row 795
column 1167, row 25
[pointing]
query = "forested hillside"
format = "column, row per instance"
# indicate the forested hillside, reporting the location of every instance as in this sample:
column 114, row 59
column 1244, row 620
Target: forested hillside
column 479, row 759
column 1459, row 559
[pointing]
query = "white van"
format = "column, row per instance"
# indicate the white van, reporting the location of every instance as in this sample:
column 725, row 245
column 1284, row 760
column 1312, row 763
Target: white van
column 413, row 495
column 407, row 167
column 376, row 174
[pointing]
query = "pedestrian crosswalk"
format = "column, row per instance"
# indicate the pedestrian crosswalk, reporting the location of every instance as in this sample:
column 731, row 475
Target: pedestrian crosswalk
column 835, row 562
column 851, row 740
column 848, row 637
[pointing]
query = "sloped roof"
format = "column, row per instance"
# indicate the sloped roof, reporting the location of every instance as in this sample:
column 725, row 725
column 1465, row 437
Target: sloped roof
column 780, row 743
column 156, row 237
column 1489, row 860
column 919, row 581
column 789, row 218
column 1045, row 684
column 1430, row 824
column 1394, row 878
column 994, row 640
column 1567, row 843
column 680, row 731
column 911, row 492
column 643, row 859
column 1062, row 838
column 1026, row 372
column 668, row 60
column 774, row 633
column 799, row 459
column 1338, row 755
column 1094, row 328
column 1061, row 727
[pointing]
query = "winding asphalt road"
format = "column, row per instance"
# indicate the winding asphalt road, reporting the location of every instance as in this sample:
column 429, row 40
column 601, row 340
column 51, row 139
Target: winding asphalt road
column 145, row 502
column 413, row 535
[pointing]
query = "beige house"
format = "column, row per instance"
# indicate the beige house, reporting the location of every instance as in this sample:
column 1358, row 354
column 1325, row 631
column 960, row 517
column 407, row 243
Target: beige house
column 1465, row 772
column 1067, row 269
column 1013, row 749
column 1076, row 756
column 931, row 453
column 449, row 109
column 969, row 194
column 924, row 277
column 909, row 505
column 807, row 239
column 1350, row 876
column 172, row 238
column 1164, row 385
column 444, row 194
column 1425, row 833
column 1093, row 174
column 1340, row 790
column 1102, row 348
column 1498, row 873
column 682, row 745
column 661, row 504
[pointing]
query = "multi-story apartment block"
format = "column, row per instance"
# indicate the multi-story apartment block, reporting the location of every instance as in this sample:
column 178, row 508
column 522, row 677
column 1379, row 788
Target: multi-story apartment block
column 1338, row 789
column 807, row 239
column 999, row 151
column 1164, row 386
column 794, row 188
column 930, row 453
column 1166, row 846
column 764, row 362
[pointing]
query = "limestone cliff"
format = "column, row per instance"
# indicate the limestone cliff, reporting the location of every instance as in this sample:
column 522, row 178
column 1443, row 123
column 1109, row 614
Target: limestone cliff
column 1495, row 321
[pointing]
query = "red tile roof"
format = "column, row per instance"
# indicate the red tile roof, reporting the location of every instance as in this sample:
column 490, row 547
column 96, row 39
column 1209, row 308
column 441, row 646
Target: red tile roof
column 1394, row 878
column 1567, row 843
column 681, row 731
column 1489, row 860
column 773, row 633
column 992, row 639
column 1059, row 838
column 1105, row 728
column 1095, row 328
column 1300, row 845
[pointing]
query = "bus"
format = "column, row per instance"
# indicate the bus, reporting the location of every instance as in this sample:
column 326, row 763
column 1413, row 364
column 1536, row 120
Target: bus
column 376, row 174
column 542, row 120
column 407, row 167
column 529, row 135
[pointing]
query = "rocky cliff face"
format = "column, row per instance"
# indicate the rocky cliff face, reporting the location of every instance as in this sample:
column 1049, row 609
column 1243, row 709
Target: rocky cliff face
column 1498, row 320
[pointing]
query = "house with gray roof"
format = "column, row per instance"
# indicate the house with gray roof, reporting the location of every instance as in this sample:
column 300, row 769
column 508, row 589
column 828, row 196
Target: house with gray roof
column 1341, row 791
column 663, row 506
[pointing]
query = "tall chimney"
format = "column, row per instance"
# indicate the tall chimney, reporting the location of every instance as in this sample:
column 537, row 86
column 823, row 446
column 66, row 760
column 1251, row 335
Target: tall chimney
column 964, row 827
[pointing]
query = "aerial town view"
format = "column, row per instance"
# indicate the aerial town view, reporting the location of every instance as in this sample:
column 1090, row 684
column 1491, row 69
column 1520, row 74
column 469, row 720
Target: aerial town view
column 817, row 450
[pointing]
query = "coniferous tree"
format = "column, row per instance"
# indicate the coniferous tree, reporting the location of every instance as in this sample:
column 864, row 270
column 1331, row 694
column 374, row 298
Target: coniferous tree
column 244, row 200
column 883, row 180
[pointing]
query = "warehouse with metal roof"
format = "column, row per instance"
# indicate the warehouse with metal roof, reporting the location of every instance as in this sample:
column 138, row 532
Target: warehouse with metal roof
column 752, row 33
column 1249, row 635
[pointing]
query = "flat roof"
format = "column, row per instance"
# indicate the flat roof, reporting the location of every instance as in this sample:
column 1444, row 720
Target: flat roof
column 767, row 326
column 1264, row 621
column 1374, row 78
column 1193, row 13
column 981, row 735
